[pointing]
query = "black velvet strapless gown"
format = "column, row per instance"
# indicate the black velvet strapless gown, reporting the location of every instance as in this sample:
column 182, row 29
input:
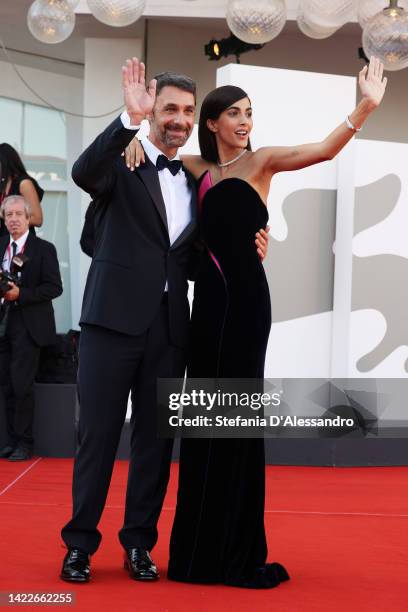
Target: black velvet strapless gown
column 218, row 533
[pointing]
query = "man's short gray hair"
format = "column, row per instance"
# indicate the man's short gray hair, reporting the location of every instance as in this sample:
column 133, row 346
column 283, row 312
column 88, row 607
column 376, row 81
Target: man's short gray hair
column 11, row 200
column 174, row 79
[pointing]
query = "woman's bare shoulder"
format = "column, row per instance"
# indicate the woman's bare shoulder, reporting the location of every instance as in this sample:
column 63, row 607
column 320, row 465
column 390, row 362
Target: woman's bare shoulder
column 195, row 164
column 27, row 186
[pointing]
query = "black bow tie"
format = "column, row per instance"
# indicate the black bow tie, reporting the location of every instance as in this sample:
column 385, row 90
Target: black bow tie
column 174, row 166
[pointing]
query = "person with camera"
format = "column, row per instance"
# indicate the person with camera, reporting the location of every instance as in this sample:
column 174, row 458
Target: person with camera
column 29, row 280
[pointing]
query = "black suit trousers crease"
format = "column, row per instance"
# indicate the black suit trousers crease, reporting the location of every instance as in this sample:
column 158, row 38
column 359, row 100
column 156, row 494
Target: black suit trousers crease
column 110, row 365
column 19, row 356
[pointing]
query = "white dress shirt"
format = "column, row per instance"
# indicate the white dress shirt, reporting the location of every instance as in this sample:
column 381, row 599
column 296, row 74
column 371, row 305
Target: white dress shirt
column 175, row 189
column 125, row 119
column 9, row 250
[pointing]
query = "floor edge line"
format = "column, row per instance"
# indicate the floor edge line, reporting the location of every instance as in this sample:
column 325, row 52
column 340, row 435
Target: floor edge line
column 20, row 476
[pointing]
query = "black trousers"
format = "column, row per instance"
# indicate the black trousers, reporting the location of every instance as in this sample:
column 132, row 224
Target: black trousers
column 19, row 356
column 110, row 365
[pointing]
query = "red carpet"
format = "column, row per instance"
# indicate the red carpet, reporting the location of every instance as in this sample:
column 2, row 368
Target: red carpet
column 342, row 534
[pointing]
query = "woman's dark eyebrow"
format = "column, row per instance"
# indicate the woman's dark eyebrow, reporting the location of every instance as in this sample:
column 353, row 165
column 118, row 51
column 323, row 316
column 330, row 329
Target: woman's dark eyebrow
column 237, row 108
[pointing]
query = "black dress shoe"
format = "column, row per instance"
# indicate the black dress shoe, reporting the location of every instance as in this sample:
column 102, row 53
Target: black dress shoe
column 140, row 565
column 76, row 566
column 21, row 453
column 6, row 451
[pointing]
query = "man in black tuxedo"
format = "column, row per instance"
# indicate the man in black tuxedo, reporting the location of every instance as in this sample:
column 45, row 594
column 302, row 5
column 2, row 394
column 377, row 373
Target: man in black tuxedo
column 27, row 321
column 135, row 314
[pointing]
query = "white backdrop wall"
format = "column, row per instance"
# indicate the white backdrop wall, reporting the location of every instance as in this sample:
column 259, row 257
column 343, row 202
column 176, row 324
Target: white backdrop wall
column 379, row 305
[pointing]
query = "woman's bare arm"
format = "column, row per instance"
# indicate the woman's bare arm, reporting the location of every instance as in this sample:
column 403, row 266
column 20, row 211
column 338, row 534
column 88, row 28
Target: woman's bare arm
column 29, row 193
column 280, row 159
column 134, row 156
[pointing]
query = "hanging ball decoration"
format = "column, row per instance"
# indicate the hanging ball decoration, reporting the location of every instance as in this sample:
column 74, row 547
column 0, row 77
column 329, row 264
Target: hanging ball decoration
column 386, row 36
column 117, row 13
column 328, row 13
column 51, row 21
column 256, row 21
column 368, row 8
column 311, row 30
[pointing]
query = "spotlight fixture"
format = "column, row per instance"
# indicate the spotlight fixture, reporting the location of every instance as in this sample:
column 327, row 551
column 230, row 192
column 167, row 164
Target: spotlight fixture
column 362, row 55
column 216, row 49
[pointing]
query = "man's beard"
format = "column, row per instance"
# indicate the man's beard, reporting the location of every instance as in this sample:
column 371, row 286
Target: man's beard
column 173, row 140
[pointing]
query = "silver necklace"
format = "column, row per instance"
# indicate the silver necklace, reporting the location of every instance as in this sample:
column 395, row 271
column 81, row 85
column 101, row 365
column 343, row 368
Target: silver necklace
column 228, row 163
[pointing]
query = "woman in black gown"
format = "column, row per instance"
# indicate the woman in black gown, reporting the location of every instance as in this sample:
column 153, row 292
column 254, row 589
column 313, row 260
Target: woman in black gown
column 218, row 534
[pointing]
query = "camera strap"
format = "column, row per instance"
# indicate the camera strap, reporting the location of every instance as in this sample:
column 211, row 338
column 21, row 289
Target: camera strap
column 10, row 255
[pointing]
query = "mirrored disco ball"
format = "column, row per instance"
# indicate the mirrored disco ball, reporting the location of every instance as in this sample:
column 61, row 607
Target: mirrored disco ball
column 310, row 29
column 386, row 36
column 50, row 21
column 117, row 13
column 368, row 8
column 328, row 13
column 256, row 21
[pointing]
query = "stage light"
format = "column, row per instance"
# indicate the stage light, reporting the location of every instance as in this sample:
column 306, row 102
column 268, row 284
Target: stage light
column 362, row 55
column 216, row 49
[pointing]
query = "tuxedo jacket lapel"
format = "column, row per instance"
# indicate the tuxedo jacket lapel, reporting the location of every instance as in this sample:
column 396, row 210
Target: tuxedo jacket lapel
column 29, row 250
column 149, row 175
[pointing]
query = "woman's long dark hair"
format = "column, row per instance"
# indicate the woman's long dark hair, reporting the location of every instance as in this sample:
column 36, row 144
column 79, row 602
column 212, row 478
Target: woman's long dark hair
column 213, row 105
column 10, row 165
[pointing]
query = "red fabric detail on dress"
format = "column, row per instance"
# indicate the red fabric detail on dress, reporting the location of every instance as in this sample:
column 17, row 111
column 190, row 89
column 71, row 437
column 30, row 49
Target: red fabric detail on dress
column 205, row 185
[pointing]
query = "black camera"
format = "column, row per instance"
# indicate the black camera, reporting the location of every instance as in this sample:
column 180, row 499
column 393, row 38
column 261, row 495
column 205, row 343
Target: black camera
column 14, row 275
column 5, row 279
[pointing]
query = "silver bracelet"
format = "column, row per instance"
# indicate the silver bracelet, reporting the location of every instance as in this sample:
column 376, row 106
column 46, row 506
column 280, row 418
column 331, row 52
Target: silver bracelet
column 351, row 126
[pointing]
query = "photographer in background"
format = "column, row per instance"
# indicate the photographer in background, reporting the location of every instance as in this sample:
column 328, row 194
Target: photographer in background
column 27, row 320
